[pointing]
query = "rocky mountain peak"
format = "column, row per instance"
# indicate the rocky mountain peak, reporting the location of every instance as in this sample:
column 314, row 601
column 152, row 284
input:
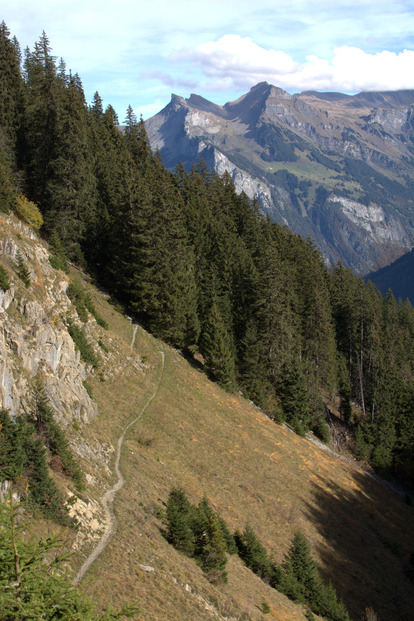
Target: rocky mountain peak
column 297, row 152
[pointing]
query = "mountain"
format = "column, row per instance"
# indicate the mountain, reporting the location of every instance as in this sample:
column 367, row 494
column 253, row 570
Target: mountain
column 399, row 277
column 335, row 167
column 173, row 427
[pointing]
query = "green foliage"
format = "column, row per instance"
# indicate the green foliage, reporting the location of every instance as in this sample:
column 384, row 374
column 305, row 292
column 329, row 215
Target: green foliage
column 82, row 344
column 54, row 438
column 12, row 453
column 301, row 582
column 103, row 346
column 253, row 553
column 4, row 279
column 217, row 350
column 199, row 532
column 200, row 266
column 22, row 270
column 34, row 583
column 83, row 303
column 23, row 460
column 76, row 294
column 210, row 542
column 297, row 578
column 7, row 191
column 58, row 259
column 28, row 211
column 179, row 517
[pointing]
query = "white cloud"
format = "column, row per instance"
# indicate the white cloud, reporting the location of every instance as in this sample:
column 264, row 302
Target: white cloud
column 237, row 62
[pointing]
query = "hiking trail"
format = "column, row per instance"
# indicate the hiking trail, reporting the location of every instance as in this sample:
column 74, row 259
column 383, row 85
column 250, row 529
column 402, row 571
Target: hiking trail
column 107, row 499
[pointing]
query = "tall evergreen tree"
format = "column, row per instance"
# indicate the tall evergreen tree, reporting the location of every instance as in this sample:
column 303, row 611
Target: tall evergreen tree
column 179, row 514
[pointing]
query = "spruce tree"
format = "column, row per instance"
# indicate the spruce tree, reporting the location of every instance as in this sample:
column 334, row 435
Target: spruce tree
column 217, row 350
column 34, row 583
column 210, row 543
column 295, row 397
column 11, row 96
column 179, row 516
column 22, row 270
column 301, row 580
column 253, row 553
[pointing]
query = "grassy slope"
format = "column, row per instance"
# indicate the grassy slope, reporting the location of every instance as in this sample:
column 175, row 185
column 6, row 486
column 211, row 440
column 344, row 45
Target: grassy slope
column 209, row 442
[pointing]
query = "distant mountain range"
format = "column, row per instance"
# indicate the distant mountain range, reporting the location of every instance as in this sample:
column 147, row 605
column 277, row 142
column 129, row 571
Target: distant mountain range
column 335, row 167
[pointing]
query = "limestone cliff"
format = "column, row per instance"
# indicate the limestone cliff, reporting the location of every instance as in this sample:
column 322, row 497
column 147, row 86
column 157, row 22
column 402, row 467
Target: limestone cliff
column 34, row 339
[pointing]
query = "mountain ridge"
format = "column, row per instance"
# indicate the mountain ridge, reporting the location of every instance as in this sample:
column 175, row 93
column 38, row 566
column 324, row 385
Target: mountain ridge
column 332, row 145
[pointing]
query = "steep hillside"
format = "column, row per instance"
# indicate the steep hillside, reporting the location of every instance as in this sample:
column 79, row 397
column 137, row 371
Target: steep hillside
column 398, row 276
column 333, row 166
column 209, row 442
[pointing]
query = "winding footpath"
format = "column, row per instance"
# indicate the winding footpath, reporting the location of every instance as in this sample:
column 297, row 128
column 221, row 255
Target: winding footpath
column 107, row 500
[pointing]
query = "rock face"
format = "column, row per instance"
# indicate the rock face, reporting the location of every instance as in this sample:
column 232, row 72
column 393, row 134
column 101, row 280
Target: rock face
column 34, row 340
column 336, row 167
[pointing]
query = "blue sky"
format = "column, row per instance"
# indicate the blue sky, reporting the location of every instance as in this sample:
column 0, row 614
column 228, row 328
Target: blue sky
column 138, row 52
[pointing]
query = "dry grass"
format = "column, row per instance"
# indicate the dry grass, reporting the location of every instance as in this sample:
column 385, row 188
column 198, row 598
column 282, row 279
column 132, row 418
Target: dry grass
column 252, row 470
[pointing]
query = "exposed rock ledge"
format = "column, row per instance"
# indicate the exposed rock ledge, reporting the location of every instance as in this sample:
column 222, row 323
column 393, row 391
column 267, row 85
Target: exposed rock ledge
column 33, row 336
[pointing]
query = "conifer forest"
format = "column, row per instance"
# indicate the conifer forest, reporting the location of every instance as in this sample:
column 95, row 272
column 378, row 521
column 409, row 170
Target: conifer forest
column 201, row 268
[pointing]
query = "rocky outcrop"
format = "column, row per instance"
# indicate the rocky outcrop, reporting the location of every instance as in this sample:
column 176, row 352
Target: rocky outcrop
column 34, row 340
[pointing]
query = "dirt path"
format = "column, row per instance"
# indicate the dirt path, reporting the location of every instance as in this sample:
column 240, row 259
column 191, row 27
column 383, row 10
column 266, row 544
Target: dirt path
column 107, row 500
column 135, row 328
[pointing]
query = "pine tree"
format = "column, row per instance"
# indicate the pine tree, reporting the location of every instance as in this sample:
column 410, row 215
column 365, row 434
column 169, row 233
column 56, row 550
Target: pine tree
column 12, row 453
column 54, row 438
column 22, row 270
column 34, row 583
column 210, row 543
column 71, row 184
column 216, row 348
column 179, row 516
column 301, row 580
column 253, row 553
column 295, row 398
column 42, row 119
column 11, row 96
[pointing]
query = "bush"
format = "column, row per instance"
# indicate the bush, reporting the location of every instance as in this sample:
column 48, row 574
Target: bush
column 54, row 438
column 28, row 211
column 22, row 270
column 83, row 303
column 81, row 343
column 4, row 279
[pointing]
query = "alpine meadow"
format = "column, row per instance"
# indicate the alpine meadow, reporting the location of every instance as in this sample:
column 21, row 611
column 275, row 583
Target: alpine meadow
column 187, row 384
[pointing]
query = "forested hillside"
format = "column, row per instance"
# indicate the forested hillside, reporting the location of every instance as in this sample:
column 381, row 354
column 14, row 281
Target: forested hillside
column 201, row 268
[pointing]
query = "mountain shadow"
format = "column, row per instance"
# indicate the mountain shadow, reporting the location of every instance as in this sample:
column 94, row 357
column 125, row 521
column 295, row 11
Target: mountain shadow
column 364, row 552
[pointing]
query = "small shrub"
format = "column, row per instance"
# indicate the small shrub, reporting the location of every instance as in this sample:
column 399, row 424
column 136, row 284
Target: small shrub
column 102, row 345
column 22, row 270
column 82, row 344
column 88, row 388
column 321, row 431
column 28, row 211
column 76, row 295
column 4, row 279
column 83, row 303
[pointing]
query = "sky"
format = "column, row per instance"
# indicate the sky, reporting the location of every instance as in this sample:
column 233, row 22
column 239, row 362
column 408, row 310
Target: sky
column 139, row 52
